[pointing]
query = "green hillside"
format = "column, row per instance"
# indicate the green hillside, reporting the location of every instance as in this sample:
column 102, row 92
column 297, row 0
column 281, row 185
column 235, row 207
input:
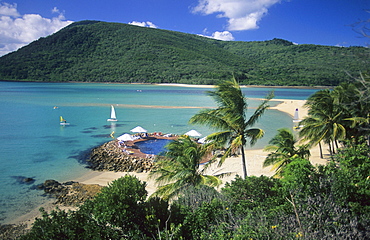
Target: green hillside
column 92, row 51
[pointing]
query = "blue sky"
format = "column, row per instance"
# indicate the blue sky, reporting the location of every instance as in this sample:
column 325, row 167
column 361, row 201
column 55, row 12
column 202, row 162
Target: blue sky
column 322, row 22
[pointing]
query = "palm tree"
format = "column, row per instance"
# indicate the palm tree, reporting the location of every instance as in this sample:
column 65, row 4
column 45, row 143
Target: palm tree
column 326, row 119
column 180, row 169
column 284, row 150
column 356, row 99
column 230, row 118
column 311, row 132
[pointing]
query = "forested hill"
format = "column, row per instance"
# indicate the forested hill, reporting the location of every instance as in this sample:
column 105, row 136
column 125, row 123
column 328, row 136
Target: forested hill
column 93, row 51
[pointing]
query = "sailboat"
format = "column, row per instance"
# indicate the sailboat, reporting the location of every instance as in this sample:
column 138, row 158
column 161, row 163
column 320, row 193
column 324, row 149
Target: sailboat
column 296, row 120
column 113, row 117
column 63, row 121
column 296, row 117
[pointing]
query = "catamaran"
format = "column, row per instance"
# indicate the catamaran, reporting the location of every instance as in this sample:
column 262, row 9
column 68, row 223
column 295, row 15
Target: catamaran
column 113, row 117
column 63, row 121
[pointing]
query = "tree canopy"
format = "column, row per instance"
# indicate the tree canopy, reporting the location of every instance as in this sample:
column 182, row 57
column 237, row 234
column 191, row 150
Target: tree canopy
column 93, row 51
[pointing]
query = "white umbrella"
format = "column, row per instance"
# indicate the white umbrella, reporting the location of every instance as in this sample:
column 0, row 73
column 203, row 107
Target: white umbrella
column 193, row 133
column 125, row 137
column 203, row 140
column 138, row 129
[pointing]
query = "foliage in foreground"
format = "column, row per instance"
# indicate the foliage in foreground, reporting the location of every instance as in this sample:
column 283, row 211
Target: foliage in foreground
column 307, row 202
column 283, row 148
column 180, row 168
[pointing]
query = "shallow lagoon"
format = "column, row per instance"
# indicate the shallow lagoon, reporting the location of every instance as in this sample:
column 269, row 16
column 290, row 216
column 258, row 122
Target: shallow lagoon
column 33, row 144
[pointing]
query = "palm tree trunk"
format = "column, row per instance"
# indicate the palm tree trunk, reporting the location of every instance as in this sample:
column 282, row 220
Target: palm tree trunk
column 244, row 163
column 330, row 150
column 334, row 143
column 320, row 147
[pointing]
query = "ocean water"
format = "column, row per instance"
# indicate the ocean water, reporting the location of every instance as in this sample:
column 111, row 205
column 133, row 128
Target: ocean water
column 33, row 144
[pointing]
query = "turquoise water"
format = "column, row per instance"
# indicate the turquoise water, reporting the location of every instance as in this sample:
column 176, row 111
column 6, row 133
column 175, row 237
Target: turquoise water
column 33, row 144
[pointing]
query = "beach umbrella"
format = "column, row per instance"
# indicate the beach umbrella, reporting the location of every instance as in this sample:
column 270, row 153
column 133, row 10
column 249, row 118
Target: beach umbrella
column 138, row 129
column 296, row 117
column 125, row 137
column 203, row 140
column 193, row 133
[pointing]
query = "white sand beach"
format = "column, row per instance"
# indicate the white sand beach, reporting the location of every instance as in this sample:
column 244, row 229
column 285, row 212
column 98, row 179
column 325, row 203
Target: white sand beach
column 254, row 158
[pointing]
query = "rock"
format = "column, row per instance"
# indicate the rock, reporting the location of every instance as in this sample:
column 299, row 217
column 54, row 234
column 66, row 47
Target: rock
column 28, row 180
column 53, row 187
column 24, row 180
column 70, row 193
column 110, row 157
column 78, row 193
column 13, row 231
column 69, row 183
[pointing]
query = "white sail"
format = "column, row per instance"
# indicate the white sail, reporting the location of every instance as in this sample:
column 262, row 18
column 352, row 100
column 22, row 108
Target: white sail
column 296, row 117
column 112, row 115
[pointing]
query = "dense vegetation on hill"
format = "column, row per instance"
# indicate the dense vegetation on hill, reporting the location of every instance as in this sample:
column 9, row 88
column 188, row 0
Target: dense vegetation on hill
column 93, row 51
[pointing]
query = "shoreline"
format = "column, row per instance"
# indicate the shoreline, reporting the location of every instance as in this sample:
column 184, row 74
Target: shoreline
column 184, row 84
column 254, row 158
column 242, row 86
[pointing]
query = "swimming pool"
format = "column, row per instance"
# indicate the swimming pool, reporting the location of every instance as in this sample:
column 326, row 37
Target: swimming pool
column 153, row 146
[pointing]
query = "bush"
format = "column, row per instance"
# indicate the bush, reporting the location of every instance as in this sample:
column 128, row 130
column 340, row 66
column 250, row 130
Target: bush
column 253, row 192
column 60, row 224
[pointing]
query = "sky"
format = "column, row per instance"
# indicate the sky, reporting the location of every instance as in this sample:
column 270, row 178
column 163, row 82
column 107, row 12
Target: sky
column 321, row 22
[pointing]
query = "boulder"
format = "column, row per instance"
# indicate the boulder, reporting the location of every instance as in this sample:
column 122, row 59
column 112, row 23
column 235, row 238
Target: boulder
column 70, row 193
column 53, row 187
column 24, row 180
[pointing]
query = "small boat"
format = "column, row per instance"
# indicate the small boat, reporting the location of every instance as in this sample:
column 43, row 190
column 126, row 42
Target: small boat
column 296, row 117
column 63, row 122
column 113, row 117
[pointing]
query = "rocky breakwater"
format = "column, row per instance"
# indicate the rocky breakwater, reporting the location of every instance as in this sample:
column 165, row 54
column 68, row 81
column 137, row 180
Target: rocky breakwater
column 112, row 157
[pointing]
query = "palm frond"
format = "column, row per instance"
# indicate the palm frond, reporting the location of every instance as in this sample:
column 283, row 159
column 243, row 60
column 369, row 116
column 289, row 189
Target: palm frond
column 180, row 168
column 253, row 134
column 211, row 118
column 230, row 119
column 260, row 110
column 211, row 181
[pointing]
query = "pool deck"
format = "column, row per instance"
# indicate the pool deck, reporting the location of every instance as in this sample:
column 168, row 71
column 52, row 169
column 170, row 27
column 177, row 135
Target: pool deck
column 135, row 151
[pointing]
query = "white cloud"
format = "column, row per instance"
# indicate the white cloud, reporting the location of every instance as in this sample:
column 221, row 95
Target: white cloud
column 18, row 30
column 241, row 14
column 143, row 24
column 7, row 9
column 225, row 36
column 55, row 10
